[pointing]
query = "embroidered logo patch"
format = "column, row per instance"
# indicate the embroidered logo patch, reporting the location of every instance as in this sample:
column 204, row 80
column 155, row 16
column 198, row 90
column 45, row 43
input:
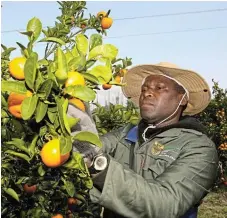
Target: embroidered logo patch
column 157, row 148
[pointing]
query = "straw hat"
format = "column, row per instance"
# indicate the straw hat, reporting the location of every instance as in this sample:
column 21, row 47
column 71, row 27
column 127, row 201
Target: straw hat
column 198, row 89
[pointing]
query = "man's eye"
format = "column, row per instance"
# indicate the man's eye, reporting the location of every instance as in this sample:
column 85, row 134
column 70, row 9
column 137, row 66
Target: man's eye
column 160, row 87
column 143, row 89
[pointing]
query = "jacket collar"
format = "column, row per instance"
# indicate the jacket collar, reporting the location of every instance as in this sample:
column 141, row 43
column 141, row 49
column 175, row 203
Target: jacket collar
column 132, row 135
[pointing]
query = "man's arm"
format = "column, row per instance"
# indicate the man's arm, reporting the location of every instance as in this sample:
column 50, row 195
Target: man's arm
column 171, row 194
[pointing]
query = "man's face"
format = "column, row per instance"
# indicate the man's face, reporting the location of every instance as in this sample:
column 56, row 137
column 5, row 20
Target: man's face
column 158, row 99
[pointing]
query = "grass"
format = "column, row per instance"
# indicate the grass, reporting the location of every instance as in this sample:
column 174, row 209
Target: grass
column 214, row 205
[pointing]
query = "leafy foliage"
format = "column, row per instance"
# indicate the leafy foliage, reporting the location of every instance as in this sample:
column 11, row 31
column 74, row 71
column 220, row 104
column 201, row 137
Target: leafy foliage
column 44, row 114
column 214, row 117
column 108, row 118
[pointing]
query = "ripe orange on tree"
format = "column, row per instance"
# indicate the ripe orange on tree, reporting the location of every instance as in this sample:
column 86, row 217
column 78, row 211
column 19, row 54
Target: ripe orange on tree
column 117, row 79
column 50, row 154
column 75, row 78
column 106, row 22
column 29, row 189
column 57, row 216
column 106, row 86
column 72, row 201
column 83, row 25
column 78, row 103
column 16, row 67
column 123, row 72
column 15, row 101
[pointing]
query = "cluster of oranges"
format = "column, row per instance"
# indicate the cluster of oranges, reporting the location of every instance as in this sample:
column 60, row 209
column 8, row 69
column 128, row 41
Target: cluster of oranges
column 116, row 79
column 106, row 21
column 223, row 146
column 16, row 69
column 50, row 152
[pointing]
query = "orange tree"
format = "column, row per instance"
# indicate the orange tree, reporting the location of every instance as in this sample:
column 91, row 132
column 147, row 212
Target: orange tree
column 214, row 117
column 41, row 175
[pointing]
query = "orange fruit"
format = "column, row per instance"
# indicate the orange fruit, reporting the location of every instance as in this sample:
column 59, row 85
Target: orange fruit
column 15, row 101
column 72, row 201
column 82, row 26
column 78, row 103
column 101, row 14
column 123, row 72
column 75, row 78
column 106, row 86
column 106, row 22
column 16, row 67
column 57, row 216
column 51, row 156
column 29, row 189
column 118, row 79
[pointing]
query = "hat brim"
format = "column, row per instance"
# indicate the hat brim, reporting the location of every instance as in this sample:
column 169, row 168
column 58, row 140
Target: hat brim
column 199, row 91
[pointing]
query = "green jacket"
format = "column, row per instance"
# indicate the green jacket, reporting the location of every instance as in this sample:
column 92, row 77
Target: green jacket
column 161, row 178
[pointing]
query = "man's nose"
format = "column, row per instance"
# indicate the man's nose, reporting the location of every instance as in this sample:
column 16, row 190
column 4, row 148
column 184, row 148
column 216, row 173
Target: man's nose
column 148, row 93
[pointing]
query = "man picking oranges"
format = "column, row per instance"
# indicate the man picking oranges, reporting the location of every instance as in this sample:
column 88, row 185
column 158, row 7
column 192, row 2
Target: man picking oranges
column 165, row 165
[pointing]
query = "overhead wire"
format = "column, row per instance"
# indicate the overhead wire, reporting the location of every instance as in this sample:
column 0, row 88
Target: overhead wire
column 147, row 16
column 167, row 32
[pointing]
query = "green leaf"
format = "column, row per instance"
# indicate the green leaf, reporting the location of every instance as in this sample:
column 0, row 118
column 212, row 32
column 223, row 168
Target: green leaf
column 88, row 137
column 12, row 193
column 102, row 73
column 24, row 50
column 70, row 188
column 90, row 64
column 106, row 62
column 53, row 78
column 69, row 56
column 28, row 107
column 82, row 44
column 13, row 86
column 127, row 115
column 95, row 40
column 72, row 121
column 28, row 33
column 39, row 80
column 65, row 107
column 21, row 180
column 91, row 78
column 82, row 92
column 34, row 26
column 52, row 116
column 31, row 147
column 134, row 120
column 71, row 164
column 43, row 62
column 75, row 52
column 81, row 198
column 40, row 111
column 53, row 39
column 88, row 183
column 77, row 64
column 17, row 154
column 65, row 144
column 3, row 101
column 61, row 113
column 106, row 51
column 45, row 89
column 41, row 170
column 30, row 69
column 18, row 143
column 62, row 67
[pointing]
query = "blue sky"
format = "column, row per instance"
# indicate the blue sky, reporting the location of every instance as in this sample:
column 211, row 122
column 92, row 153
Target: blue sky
column 202, row 51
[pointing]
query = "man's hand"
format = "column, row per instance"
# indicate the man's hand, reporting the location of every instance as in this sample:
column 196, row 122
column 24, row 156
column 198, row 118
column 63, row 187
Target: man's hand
column 86, row 123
